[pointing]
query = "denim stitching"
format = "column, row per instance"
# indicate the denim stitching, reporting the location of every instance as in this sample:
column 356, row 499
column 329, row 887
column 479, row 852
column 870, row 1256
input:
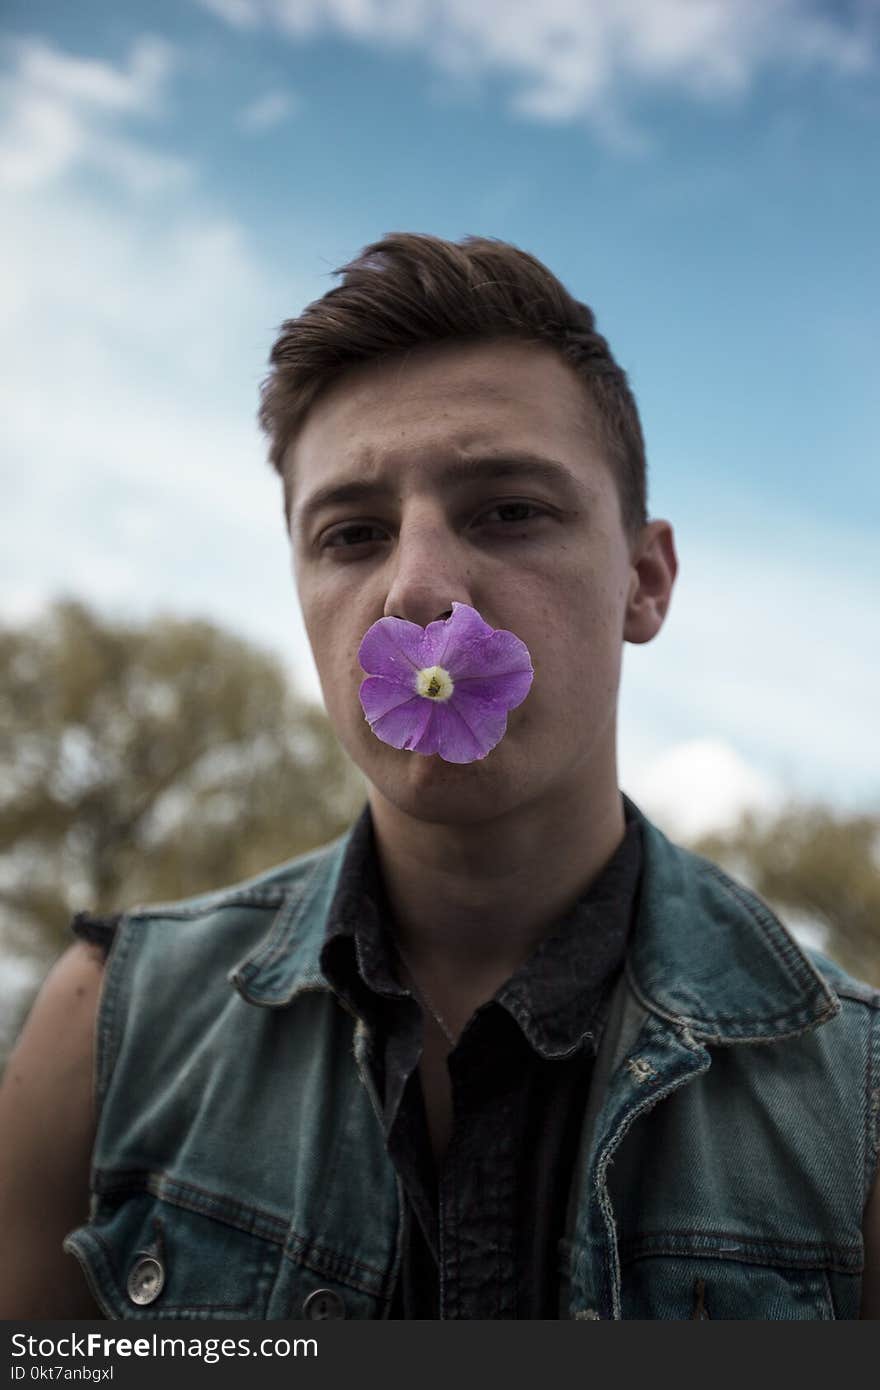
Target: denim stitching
column 333, row 1273
column 328, row 1253
column 872, row 1105
column 625, row 1120
column 264, row 897
column 113, row 985
column 262, row 1225
column 785, row 949
column 766, row 1254
column 284, row 928
column 189, row 1197
column 803, row 1020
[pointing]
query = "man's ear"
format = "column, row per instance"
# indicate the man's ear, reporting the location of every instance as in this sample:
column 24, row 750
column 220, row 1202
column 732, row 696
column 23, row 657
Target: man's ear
column 654, row 567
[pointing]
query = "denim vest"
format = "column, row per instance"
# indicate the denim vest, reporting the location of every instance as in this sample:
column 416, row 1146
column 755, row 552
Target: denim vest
column 728, row 1146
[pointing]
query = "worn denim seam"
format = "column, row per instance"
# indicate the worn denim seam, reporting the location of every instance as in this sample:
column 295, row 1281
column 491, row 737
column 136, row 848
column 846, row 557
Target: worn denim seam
column 284, row 932
column 277, row 941
column 262, row 1225
column 778, row 1265
column 872, row 1105
column 805, row 1019
column 331, row 1254
column 203, row 1202
column 786, row 950
column 115, row 983
column 782, row 1254
column 829, row 1294
column 715, row 1234
column 281, row 940
column 83, row 1244
column 327, row 1264
column 624, row 1123
column 179, row 912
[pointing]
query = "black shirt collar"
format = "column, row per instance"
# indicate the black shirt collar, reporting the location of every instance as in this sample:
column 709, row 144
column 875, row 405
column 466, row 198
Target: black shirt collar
column 556, row 993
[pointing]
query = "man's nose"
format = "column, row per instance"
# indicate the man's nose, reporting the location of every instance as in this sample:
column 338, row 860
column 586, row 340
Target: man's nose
column 430, row 574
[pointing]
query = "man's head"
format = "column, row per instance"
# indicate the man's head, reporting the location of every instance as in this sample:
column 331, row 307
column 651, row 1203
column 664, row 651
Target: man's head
column 410, row 291
column 479, row 470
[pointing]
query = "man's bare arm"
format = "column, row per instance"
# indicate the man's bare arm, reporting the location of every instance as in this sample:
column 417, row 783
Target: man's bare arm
column 47, row 1126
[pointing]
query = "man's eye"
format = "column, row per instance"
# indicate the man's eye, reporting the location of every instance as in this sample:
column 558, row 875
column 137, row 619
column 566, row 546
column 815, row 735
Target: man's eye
column 347, row 536
column 510, row 512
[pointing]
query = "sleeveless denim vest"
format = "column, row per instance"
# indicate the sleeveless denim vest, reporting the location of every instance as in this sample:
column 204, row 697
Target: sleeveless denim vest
column 728, row 1146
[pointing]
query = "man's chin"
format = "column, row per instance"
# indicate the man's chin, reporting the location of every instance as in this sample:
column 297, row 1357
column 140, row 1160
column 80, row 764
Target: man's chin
column 438, row 792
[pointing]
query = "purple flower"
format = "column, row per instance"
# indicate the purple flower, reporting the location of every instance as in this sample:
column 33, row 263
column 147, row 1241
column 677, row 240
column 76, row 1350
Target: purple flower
column 445, row 688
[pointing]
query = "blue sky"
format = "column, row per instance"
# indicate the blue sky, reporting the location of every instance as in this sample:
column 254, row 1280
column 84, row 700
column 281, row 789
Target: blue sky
column 177, row 178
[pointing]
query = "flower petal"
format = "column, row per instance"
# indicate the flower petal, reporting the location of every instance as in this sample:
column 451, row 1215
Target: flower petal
column 403, row 726
column 498, row 653
column 509, row 690
column 449, row 735
column 392, row 647
column 379, row 696
column 485, row 717
column 449, row 635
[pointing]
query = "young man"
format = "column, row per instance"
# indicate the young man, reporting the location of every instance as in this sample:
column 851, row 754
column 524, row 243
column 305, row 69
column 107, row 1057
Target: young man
column 503, row 1052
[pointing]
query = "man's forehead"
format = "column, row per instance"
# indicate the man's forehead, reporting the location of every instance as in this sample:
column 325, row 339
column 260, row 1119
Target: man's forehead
column 457, row 382
column 387, row 416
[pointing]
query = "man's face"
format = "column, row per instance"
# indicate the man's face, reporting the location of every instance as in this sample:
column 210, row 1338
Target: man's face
column 468, row 473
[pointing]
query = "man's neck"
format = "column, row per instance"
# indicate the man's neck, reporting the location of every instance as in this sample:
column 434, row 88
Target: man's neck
column 471, row 902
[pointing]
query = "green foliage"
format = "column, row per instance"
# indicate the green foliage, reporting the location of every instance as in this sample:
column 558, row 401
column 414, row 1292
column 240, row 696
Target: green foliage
column 810, row 860
column 150, row 762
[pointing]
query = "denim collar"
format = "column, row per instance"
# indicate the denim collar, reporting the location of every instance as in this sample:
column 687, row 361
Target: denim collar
column 706, row 954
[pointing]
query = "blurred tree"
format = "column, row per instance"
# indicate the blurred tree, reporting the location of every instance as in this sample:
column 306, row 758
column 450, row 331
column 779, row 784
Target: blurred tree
column 149, row 762
column 810, row 859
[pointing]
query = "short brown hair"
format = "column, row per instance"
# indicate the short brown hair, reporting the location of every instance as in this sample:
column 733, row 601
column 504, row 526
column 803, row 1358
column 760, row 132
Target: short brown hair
column 412, row 290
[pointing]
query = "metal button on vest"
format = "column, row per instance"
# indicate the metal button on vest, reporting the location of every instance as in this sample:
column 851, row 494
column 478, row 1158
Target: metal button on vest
column 145, row 1280
column 324, row 1303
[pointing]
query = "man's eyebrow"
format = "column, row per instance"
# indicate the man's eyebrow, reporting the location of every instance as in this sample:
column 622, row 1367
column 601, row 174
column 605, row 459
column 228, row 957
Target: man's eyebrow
column 455, row 473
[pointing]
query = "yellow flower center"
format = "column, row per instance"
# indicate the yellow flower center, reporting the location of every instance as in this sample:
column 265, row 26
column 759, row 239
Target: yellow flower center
column 434, row 683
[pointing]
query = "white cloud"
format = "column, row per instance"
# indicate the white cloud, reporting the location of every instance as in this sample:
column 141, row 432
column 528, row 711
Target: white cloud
column 267, row 111
column 582, row 58
column 60, row 113
column 700, row 785
column 766, row 648
column 129, row 363
column 131, row 346
column 90, row 83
